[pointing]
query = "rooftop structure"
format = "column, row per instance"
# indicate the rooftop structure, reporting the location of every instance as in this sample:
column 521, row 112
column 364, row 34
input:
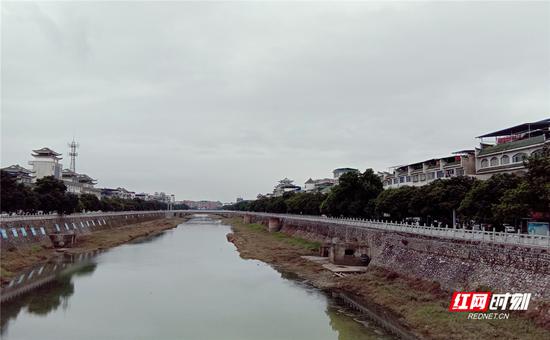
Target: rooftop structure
column 504, row 151
column 20, row 174
column 340, row 171
column 79, row 183
column 319, row 185
column 285, row 185
column 46, row 163
column 417, row 174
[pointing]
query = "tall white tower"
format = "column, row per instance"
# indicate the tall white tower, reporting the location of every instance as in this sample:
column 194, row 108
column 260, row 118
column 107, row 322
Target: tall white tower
column 72, row 153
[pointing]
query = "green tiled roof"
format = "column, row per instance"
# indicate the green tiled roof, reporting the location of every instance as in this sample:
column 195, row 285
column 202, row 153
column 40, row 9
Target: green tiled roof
column 512, row 145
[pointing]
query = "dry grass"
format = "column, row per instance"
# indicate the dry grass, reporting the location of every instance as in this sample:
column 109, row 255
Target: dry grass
column 419, row 305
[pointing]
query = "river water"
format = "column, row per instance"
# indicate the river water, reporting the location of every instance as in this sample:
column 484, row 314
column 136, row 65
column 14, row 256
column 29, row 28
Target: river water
column 187, row 283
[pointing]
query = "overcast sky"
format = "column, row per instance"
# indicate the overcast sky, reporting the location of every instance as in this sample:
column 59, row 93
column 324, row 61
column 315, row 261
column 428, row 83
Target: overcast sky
column 220, row 100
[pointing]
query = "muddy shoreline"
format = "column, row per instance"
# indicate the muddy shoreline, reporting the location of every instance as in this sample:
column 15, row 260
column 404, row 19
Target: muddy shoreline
column 410, row 307
column 15, row 261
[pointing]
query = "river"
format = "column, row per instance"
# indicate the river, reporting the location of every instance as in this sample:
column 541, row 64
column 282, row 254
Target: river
column 187, row 283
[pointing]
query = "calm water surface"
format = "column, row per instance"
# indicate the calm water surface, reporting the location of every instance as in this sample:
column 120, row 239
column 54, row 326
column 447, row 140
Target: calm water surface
column 188, row 283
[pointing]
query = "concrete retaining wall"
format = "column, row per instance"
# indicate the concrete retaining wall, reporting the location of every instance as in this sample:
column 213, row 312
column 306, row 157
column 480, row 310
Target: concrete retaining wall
column 35, row 231
column 455, row 264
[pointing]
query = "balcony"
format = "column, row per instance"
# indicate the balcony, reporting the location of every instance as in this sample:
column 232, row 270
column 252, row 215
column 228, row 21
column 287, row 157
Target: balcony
column 512, row 145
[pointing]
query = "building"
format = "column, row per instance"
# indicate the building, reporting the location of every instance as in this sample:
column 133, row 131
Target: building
column 319, row 185
column 505, row 150
column 462, row 163
column 285, row 185
column 19, row 173
column 203, row 205
column 46, row 163
column 340, row 171
column 79, row 183
column 118, row 193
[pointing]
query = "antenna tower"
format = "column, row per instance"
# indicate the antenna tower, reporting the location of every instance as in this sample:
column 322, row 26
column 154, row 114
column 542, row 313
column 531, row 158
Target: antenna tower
column 72, row 153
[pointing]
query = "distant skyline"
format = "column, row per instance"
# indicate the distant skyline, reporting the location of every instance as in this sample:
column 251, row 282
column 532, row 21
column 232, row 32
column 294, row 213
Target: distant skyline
column 218, row 100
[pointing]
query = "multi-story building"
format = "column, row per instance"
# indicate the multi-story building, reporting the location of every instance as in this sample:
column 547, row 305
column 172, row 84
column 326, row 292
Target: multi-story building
column 506, row 149
column 79, row 183
column 117, row 193
column 285, row 185
column 319, row 185
column 203, row 205
column 19, row 173
column 340, row 171
column 46, row 163
column 462, row 163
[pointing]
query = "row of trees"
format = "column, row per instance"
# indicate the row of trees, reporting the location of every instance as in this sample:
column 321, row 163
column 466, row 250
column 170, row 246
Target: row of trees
column 503, row 198
column 50, row 195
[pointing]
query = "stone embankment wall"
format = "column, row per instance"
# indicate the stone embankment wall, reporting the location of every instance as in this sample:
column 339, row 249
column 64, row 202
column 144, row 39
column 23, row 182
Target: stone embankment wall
column 455, row 264
column 36, row 231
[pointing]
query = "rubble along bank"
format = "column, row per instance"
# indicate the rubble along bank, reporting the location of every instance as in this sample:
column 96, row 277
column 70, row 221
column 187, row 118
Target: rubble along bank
column 18, row 259
column 417, row 305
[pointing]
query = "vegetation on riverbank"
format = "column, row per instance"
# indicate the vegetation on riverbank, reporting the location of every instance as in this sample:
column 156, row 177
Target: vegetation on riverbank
column 49, row 194
column 20, row 258
column 504, row 198
column 419, row 305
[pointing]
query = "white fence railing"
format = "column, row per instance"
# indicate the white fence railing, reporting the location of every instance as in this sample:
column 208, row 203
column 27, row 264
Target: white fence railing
column 453, row 233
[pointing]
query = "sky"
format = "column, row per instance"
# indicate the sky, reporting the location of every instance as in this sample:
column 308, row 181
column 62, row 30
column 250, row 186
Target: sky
column 218, row 100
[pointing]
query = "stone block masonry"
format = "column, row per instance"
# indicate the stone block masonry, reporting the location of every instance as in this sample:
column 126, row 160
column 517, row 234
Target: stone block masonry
column 35, row 230
column 454, row 264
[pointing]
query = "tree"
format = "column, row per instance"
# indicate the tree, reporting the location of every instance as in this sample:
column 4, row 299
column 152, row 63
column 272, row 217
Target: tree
column 395, row 203
column 305, row 203
column 90, row 202
column 354, row 195
column 16, row 196
column 480, row 202
column 51, row 194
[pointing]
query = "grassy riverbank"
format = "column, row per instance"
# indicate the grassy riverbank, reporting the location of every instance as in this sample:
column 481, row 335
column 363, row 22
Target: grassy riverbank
column 21, row 258
column 418, row 305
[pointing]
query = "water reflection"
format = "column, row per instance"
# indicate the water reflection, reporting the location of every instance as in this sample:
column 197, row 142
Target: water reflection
column 48, row 296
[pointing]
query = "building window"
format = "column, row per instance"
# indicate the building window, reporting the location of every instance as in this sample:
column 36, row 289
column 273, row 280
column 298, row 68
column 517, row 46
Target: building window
column 402, row 179
column 415, row 178
column 431, row 175
column 408, row 178
column 460, row 172
column 519, row 157
column 494, row 161
column 484, row 163
column 440, row 174
column 537, row 153
column 504, row 160
column 422, row 177
column 349, row 252
column 395, row 181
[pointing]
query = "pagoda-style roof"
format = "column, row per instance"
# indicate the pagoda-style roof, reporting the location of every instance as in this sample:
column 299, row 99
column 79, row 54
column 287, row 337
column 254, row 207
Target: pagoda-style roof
column 46, row 152
column 16, row 168
column 83, row 178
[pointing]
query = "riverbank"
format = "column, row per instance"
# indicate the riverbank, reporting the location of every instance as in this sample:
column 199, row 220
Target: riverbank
column 417, row 305
column 18, row 259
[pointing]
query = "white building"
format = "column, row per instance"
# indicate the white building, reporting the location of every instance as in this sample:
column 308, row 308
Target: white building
column 79, row 183
column 46, row 163
column 506, row 149
column 319, row 185
column 462, row 163
column 340, row 171
column 285, row 185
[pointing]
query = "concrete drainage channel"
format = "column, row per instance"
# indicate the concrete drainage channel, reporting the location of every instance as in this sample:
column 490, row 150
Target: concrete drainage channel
column 377, row 316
